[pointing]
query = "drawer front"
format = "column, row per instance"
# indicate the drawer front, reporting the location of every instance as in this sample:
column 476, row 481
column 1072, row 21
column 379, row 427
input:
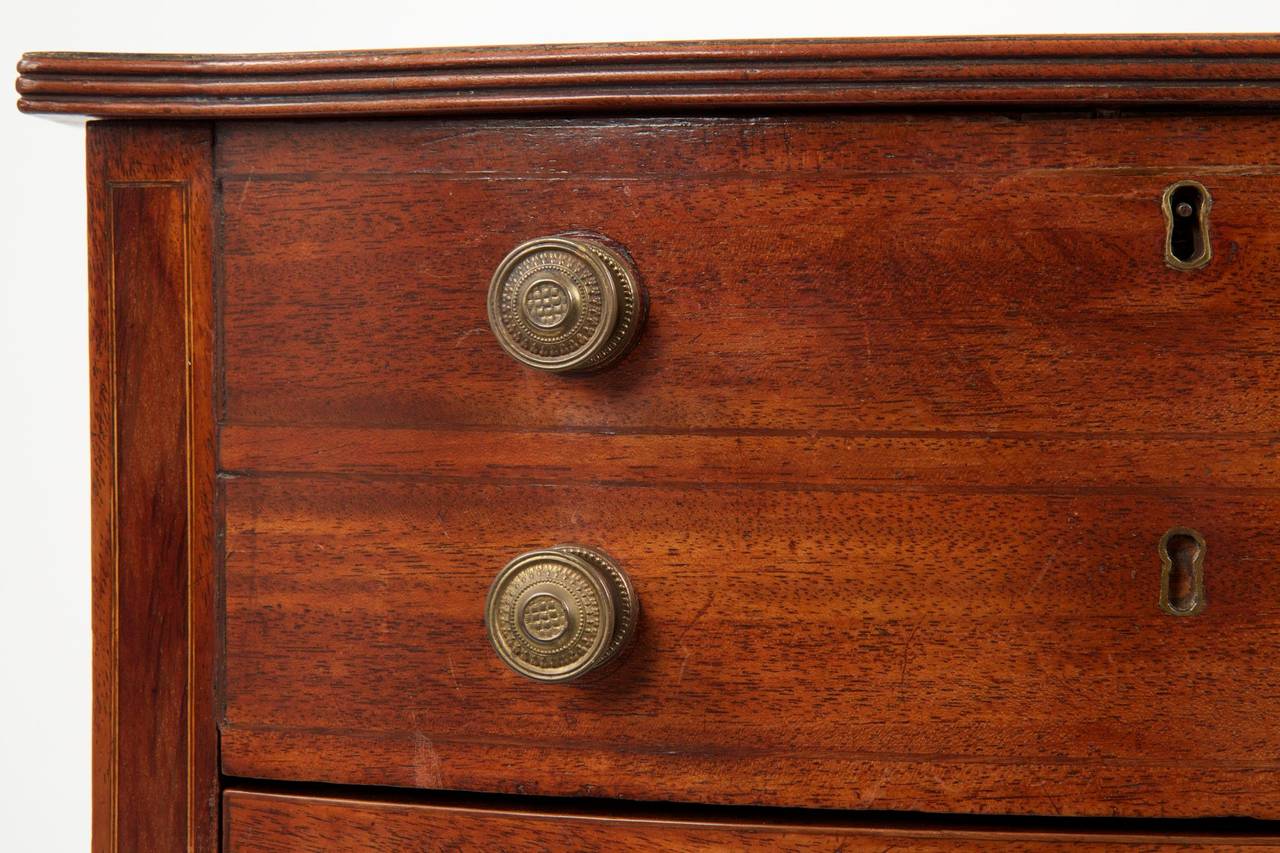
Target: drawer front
column 848, row 648
column 916, row 401
column 840, row 275
column 273, row 823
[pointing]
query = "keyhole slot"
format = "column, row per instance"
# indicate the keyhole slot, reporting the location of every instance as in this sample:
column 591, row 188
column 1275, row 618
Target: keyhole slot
column 1186, row 212
column 1182, row 553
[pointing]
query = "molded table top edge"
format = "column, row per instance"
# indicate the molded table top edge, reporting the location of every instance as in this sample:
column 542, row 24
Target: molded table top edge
column 1202, row 71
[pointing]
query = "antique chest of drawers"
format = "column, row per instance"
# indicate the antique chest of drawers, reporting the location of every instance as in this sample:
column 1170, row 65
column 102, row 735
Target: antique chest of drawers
column 815, row 441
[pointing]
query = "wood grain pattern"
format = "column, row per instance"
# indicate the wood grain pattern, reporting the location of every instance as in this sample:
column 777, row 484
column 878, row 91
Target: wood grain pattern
column 977, row 463
column 869, row 145
column 275, row 823
column 797, row 647
column 917, row 398
column 155, row 754
column 958, row 291
column 1075, row 71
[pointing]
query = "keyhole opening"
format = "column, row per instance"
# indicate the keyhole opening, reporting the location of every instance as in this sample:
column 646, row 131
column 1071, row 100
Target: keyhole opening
column 1186, row 211
column 1182, row 553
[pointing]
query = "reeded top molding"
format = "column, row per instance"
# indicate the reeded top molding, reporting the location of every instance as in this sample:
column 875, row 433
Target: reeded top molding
column 1061, row 71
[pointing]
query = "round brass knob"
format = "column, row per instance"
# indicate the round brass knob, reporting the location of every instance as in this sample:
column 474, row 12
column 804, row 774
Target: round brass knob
column 566, row 304
column 556, row 614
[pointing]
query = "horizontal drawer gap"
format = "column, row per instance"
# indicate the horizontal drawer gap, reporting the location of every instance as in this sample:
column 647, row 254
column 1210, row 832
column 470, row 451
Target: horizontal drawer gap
column 658, row 429
column 704, row 485
column 1137, row 831
column 968, row 173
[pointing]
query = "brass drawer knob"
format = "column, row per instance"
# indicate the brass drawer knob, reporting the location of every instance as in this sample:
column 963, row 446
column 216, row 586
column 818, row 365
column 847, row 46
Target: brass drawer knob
column 556, row 614
column 566, row 304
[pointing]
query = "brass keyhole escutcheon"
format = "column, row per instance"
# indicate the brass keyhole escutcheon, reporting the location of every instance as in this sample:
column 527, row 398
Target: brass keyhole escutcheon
column 1182, row 553
column 1186, row 215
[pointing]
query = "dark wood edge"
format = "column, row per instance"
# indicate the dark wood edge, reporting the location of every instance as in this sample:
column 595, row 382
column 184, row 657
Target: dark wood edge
column 155, row 771
column 1205, row 71
column 891, row 826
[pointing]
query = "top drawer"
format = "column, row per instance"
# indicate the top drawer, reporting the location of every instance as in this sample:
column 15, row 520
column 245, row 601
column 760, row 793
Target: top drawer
column 885, row 273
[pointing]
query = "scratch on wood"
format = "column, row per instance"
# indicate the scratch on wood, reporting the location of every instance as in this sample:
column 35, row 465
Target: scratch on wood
column 702, row 611
column 906, row 656
column 426, row 761
column 685, row 651
column 452, row 675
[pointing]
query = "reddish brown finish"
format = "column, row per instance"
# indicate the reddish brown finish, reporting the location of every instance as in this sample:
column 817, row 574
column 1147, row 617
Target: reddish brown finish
column 917, row 398
column 1143, row 46
column 760, row 147
column 274, row 823
column 888, row 275
column 1123, row 464
column 1082, row 71
column 155, row 754
column 962, row 652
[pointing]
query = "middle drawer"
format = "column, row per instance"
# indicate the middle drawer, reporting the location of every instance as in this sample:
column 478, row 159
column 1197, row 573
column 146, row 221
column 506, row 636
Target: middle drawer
column 947, row 649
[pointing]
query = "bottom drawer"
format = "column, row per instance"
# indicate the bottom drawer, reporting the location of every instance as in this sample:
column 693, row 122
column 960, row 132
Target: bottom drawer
column 257, row 823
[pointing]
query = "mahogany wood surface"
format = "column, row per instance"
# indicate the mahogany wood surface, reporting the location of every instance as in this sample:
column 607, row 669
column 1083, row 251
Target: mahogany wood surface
column 1123, row 464
column 992, row 653
column 155, row 738
column 917, row 398
column 887, row 274
column 277, row 823
column 1201, row 71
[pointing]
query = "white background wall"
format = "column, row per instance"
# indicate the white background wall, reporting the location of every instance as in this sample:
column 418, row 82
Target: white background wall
column 44, row 462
